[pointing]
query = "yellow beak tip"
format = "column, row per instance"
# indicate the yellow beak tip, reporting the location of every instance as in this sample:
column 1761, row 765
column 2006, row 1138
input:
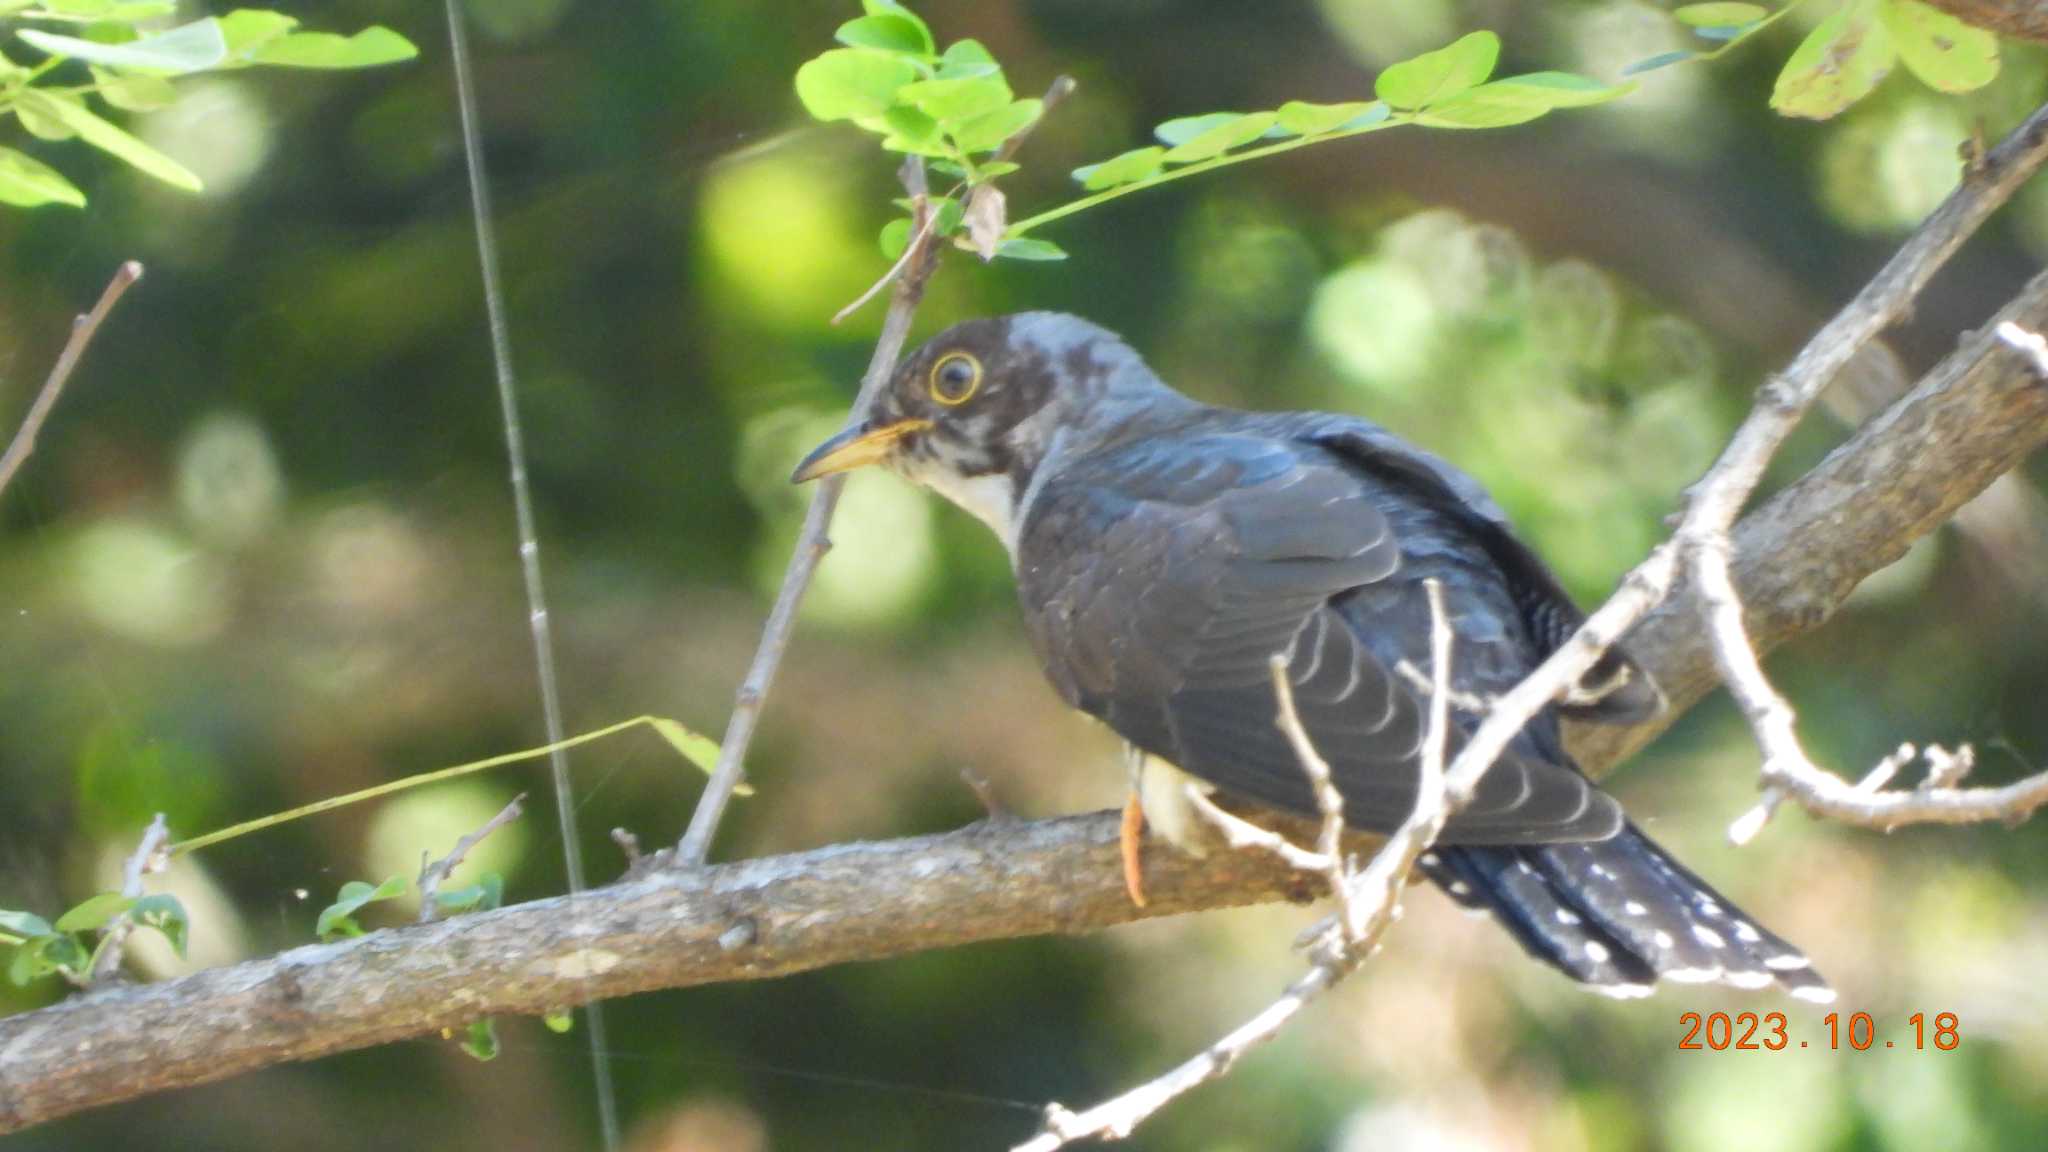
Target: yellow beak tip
column 857, row 447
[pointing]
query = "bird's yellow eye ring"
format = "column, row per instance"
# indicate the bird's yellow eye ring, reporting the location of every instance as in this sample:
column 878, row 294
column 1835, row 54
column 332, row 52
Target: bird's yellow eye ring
column 955, row 378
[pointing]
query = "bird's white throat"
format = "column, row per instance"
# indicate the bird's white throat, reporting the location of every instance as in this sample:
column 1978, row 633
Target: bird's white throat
column 989, row 498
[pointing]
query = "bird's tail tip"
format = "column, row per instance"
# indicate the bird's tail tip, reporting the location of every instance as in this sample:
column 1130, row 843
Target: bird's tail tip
column 1621, row 915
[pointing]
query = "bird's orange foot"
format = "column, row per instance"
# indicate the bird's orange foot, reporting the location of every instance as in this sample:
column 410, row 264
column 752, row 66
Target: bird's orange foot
column 1131, row 841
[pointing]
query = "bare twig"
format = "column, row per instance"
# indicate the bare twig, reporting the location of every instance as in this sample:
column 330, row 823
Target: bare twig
column 148, row 858
column 1368, row 902
column 432, row 876
column 914, row 269
column 1702, row 534
column 629, row 844
column 814, row 540
column 1061, row 88
column 1329, row 804
column 82, row 329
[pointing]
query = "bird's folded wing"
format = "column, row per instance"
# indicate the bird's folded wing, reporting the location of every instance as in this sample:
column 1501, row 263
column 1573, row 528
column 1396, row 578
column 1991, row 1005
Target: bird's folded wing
column 1160, row 580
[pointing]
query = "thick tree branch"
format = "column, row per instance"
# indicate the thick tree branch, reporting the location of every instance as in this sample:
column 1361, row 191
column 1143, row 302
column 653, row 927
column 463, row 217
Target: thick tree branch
column 2026, row 19
column 667, row 928
column 1799, row 554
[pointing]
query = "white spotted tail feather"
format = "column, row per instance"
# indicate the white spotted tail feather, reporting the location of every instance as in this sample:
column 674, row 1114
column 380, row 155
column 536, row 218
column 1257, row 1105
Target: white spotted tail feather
column 1620, row 915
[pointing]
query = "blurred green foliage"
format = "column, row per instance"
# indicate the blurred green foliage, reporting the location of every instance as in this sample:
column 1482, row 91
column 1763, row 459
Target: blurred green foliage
column 129, row 58
column 264, row 554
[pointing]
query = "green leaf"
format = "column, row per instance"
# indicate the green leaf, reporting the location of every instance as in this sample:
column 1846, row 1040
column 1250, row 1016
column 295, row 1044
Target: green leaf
column 37, row 118
column 27, row 182
column 26, row 924
column 190, row 47
column 480, row 1039
column 247, row 28
column 1439, row 75
column 1519, row 99
column 888, row 32
column 487, row 893
column 134, row 93
column 109, row 139
column 949, row 100
column 1945, row 53
column 93, row 913
column 338, row 918
column 696, row 747
column 1027, row 248
column 1186, row 128
column 1720, row 15
column 894, row 239
column 1222, row 138
column 1137, row 164
column 847, row 83
column 995, row 168
column 1305, row 119
column 905, row 129
column 1660, row 60
column 986, row 132
column 966, row 58
column 1837, row 64
column 162, row 912
column 99, row 11
column 559, row 1022
column 369, row 48
column 44, row 955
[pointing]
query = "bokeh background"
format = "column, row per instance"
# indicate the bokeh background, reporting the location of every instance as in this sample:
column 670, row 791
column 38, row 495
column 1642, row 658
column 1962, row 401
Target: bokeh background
column 266, row 554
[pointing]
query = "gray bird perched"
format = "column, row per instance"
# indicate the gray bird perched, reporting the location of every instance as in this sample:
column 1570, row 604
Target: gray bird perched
column 1167, row 550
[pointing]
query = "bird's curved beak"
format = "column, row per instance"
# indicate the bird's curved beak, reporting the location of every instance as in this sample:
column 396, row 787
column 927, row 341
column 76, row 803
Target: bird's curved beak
column 859, row 446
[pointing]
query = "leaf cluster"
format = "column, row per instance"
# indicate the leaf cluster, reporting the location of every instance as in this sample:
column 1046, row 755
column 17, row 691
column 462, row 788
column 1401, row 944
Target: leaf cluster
column 124, row 58
column 1848, row 52
column 72, row 946
column 954, row 108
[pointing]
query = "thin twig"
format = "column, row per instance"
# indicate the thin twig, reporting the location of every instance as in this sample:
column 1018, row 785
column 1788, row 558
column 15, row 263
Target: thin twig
column 629, row 845
column 1329, row 802
column 1719, row 496
column 814, row 540
column 82, row 329
column 539, row 621
column 1373, row 896
column 148, row 858
column 432, row 876
column 1703, row 534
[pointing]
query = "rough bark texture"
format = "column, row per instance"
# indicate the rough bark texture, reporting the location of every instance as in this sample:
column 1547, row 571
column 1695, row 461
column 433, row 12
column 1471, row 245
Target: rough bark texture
column 668, row 929
column 2027, row 19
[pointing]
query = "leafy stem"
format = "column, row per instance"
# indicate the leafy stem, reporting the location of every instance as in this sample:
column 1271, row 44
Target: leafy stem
column 699, row 749
column 1071, row 207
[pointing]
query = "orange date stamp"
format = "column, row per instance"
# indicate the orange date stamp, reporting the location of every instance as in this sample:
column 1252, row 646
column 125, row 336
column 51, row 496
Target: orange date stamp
column 1856, row 1031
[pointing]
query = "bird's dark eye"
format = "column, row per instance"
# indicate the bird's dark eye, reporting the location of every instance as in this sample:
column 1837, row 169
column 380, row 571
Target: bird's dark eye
column 955, row 378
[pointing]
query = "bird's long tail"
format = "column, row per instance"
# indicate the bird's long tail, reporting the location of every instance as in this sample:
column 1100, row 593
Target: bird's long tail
column 1621, row 914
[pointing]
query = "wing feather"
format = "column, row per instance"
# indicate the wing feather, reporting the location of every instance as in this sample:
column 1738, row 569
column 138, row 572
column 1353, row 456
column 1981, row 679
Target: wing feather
column 1159, row 580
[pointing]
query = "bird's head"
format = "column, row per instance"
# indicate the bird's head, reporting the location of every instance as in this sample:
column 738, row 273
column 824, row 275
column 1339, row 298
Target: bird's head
column 973, row 412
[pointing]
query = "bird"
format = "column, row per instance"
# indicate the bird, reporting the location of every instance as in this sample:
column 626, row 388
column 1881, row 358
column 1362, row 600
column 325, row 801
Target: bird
column 1166, row 551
